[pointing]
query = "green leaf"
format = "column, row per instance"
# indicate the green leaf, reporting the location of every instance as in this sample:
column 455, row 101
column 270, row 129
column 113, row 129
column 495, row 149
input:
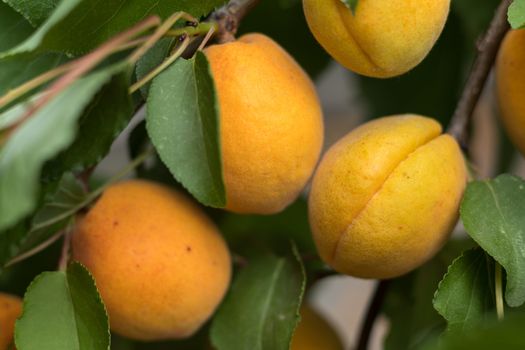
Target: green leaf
column 273, row 231
column 151, row 60
column 63, row 310
column 36, row 12
column 10, row 241
column 91, row 22
column 13, row 27
column 351, row 4
column 517, row 14
column 48, row 131
column 492, row 213
column 58, row 202
column 20, row 68
column 506, row 334
column 52, row 29
column 183, row 123
column 408, row 304
column 465, row 296
column 261, row 310
column 106, row 116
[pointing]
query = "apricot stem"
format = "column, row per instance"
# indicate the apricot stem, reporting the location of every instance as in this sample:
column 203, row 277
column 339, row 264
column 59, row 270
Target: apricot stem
column 201, row 28
column 487, row 52
column 159, row 33
column 207, row 38
column 500, row 309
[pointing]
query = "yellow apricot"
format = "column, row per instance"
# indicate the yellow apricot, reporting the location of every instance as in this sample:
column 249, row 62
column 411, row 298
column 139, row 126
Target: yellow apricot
column 383, row 39
column 314, row 333
column 271, row 123
column 159, row 263
column 10, row 310
column 385, row 197
column 510, row 86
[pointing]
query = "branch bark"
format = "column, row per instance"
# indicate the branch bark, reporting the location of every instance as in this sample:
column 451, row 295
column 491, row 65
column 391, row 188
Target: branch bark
column 374, row 309
column 487, row 52
column 229, row 17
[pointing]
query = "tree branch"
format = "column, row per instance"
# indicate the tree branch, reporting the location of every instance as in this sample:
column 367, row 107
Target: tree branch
column 374, row 309
column 229, row 17
column 487, row 52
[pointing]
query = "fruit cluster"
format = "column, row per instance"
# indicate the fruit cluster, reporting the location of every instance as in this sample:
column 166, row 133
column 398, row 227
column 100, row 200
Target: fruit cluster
column 383, row 200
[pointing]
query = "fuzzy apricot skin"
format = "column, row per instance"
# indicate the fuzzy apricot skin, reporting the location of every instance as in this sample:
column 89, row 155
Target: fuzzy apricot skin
column 160, row 264
column 314, row 333
column 271, row 125
column 10, row 310
column 385, row 197
column 384, row 38
column 510, row 86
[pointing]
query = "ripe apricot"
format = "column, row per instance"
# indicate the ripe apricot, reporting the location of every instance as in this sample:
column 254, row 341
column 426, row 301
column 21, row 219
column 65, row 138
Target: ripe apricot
column 385, row 197
column 270, row 120
column 159, row 263
column 314, row 333
column 383, row 39
column 510, row 86
column 10, row 310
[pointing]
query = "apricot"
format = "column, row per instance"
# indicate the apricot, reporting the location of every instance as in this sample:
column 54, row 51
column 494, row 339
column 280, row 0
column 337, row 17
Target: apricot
column 271, row 126
column 510, row 86
column 383, row 39
column 385, row 197
column 160, row 264
column 10, row 310
column 314, row 333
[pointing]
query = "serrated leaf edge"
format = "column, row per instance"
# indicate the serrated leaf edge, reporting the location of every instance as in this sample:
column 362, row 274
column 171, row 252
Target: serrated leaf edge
column 497, row 259
column 98, row 298
column 297, row 256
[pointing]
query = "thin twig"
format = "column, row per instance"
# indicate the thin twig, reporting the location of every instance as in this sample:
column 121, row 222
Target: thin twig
column 94, row 195
column 159, row 33
column 487, row 52
column 83, row 178
column 54, row 73
column 66, row 245
column 36, row 249
column 374, row 309
column 84, row 65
